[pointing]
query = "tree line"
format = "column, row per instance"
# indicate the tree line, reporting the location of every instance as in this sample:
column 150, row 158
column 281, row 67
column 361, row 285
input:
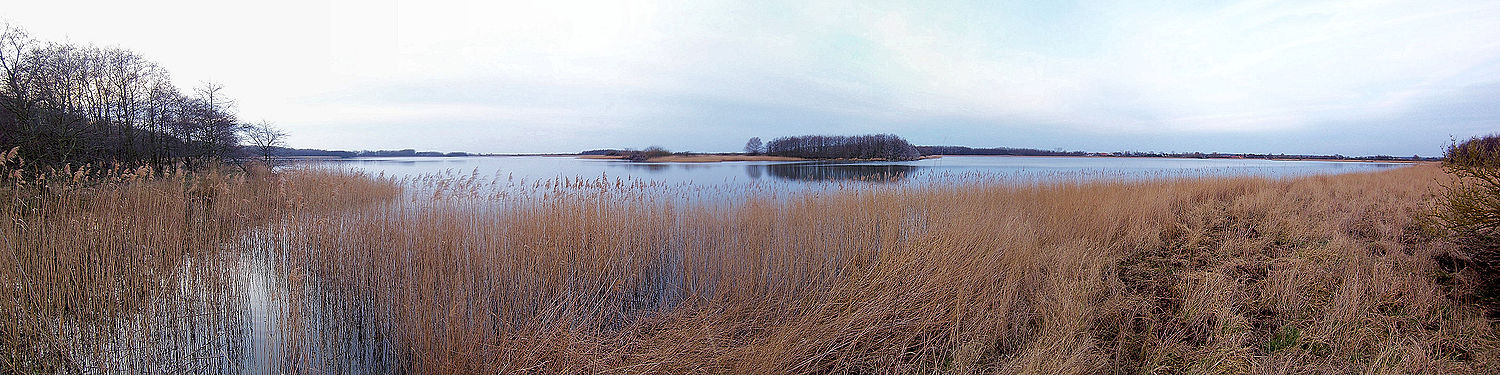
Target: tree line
column 313, row 152
column 962, row 150
column 63, row 103
column 872, row 146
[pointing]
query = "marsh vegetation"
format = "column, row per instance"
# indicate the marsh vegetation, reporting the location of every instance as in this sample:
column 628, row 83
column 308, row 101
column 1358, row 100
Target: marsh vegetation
column 318, row 270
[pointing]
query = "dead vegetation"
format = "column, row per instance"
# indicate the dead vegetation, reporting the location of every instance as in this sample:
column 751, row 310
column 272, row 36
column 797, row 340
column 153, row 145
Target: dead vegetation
column 1318, row 274
column 120, row 271
column 1327, row 274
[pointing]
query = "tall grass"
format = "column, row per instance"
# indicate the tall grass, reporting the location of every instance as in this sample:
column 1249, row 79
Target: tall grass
column 122, row 271
column 1318, row 274
column 455, row 274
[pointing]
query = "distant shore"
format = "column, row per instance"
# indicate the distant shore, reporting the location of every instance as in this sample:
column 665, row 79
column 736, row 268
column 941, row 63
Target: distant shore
column 724, row 158
column 698, row 158
column 1355, row 160
column 713, row 158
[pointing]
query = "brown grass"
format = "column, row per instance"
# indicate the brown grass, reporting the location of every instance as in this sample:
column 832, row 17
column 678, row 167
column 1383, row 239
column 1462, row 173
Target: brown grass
column 102, row 268
column 1319, row 274
column 1329, row 274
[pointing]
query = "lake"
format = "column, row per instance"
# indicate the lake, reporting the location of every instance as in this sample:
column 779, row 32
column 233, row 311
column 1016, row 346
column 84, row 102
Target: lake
column 799, row 174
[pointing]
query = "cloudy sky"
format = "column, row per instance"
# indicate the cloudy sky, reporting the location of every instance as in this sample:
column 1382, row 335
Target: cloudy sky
column 1349, row 77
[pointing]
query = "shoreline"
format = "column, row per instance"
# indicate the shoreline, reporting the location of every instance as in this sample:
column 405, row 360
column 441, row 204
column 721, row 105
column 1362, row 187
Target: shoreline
column 1184, row 158
column 696, row 158
column 728, row 158
column 712, row 158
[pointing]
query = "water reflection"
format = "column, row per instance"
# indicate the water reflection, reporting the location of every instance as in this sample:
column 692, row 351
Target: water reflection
column 833, row 172
column 648, row 167
column 754, row 171
column 301, row 321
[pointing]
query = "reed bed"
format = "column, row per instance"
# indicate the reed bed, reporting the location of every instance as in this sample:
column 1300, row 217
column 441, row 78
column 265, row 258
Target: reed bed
column 1213, row 275
column 131, row 271
column 471, row 273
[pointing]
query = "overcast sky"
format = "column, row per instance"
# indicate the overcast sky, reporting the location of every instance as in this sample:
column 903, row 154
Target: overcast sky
column 1349, row 77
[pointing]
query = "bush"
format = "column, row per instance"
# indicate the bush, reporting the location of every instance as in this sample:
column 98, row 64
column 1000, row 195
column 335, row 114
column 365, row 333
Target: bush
column 1471, row 206
column 649, row 153
column 1470, row 210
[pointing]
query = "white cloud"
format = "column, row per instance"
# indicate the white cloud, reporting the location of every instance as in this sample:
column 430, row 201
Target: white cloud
column 613, row 69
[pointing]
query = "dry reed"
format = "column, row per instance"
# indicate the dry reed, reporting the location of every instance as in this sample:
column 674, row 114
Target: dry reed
column 1317, row 274
column 129, row 271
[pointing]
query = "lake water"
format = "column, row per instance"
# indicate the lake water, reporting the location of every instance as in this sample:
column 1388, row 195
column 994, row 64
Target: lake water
column 928, row 171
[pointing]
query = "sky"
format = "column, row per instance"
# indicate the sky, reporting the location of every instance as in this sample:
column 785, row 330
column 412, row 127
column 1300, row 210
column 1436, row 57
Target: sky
column 1296, row 77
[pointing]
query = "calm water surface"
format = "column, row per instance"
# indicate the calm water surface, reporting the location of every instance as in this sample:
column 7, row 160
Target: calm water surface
column 929, row 171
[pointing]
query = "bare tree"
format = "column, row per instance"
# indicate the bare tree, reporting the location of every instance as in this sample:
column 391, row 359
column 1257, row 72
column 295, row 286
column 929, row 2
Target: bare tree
column 62, row 103
column 213, row 123
column 873, row 146
column 213, row 93
column 265, row 138
column 14, row 46
column 754, row 146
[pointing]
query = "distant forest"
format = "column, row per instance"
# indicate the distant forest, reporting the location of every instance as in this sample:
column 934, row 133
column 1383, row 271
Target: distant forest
column 961, row 150
column 874, row 146
column 62, row 103
column 871, row 147
column 312, row 152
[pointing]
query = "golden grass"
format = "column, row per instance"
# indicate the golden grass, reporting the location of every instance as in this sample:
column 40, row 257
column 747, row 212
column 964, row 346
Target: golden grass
column 1327, row 274
column 1318, row 274
column 84, row 260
